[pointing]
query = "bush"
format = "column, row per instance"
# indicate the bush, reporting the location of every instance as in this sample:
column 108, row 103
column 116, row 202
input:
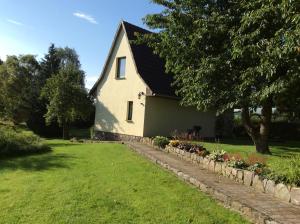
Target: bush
column 185, row 146
column 217, row 155
column 254, row 159
column 203, row 153
column 174, row 143
column 17, row 142
column 236, row 161
column 287, row 172
column 161, row 141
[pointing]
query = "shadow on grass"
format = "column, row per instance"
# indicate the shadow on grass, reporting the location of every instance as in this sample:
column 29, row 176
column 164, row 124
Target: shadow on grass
column 60, row 144
column 36, row 162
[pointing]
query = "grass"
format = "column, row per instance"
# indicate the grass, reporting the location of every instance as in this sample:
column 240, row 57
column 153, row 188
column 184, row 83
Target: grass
column 99, row 183
column 280, row 151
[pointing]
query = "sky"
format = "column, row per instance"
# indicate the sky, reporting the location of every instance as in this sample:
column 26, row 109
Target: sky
column 88, row 26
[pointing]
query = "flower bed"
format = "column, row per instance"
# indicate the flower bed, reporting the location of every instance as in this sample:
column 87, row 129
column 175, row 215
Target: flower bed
column 251, row 172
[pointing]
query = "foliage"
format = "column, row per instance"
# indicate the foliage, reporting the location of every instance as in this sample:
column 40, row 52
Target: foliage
column 49, row 66
column 174, row 143
column 161, row 141
column 203, row 153
column 17, row 87
column 15, row 141
column 253, row 159
column 217, row 155
column 286, row 170
column 186, row 146
column 250, row 46
column 236, row 161
column 258, row 168
column 67, row 98
column 189, row 147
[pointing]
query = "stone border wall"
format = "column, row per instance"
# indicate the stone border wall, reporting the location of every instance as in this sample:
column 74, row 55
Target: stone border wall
column 281, row 191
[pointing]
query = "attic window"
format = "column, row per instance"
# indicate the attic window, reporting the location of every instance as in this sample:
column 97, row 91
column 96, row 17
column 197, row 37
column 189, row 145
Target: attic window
column 121, row 64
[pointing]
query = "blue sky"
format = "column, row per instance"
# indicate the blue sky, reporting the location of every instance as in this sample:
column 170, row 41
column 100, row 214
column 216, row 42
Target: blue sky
column 29, row 26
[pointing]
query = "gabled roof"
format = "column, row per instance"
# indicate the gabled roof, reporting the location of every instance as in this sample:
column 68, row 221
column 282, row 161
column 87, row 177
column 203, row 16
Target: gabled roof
column 149, row 66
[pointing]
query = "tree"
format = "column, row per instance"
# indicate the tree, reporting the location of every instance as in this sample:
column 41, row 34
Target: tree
column 16, row 82
column 65, row 92
column 227, row 54
column 49, row 66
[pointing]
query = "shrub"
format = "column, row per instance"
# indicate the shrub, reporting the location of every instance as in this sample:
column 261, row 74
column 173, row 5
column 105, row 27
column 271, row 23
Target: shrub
column 258, row 168
column 236, row 161
column 161, row 141
column 185, row 146
column 174, row 143
column 217, row 155
column 197, row 148
column 254, row 159
column 287, row 172
column 15, row 142
column 203, row 153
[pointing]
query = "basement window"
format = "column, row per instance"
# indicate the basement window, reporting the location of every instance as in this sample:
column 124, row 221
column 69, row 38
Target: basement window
column 121, row 65
column 129, row 110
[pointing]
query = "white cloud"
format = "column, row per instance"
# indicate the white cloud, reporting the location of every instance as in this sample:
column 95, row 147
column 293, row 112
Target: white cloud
column 86, row 17
column 15, row 22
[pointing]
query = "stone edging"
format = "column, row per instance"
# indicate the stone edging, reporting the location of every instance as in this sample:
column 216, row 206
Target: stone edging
column 280, row 191
column 251, row 213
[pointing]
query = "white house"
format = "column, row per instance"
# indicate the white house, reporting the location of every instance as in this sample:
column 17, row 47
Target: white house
column 134, row 97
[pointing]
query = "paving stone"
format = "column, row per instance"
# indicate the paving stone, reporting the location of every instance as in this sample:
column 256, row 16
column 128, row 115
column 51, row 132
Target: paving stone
column 205, row 163
column 234, row 172
column 224, row 165
column 257, row 206
column 248, row 177
column 240, row 176
column 200, row 159
column 236, row 205
column 295, row 195
column 211, row 166
column 270, row 187
column 282, row 192
column 218, row 167
column 258, row 183
column 228, row 171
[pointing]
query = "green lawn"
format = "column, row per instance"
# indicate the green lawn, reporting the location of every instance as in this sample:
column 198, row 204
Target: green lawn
column 99, row 183
column 279, row 151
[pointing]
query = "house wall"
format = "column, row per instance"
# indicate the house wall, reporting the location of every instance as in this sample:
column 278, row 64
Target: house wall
column 163, row 115
column 112, row 95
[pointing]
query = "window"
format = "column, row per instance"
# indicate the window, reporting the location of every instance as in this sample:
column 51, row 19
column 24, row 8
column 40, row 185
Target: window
column 129, row 110
column 121, row 63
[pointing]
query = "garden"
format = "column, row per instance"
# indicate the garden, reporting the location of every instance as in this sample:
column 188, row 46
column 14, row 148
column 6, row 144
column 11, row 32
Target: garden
column 282, row 167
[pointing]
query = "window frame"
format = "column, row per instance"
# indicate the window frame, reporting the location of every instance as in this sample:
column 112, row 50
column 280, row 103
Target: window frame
column 118, row 69
column 129, row 114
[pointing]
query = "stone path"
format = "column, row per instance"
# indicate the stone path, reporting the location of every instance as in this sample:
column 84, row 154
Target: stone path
column 257, row 207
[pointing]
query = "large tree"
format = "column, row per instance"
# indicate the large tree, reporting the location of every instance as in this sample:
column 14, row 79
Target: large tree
column 17, row 86
column 66, row 94
column 49, row 66
column 227, row 54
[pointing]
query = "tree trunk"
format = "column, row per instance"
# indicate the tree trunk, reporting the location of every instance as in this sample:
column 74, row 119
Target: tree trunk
column 259, row 134
column 65, row 131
